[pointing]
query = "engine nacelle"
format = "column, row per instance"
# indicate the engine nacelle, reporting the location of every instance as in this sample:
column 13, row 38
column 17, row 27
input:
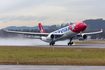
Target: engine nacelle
column 50, row 36
column 82, row 37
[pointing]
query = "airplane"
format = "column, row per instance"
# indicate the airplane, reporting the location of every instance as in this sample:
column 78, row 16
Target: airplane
column 67, row 32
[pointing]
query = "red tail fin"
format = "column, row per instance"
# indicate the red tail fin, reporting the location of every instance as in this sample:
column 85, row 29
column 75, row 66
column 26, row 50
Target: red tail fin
column 41, row 28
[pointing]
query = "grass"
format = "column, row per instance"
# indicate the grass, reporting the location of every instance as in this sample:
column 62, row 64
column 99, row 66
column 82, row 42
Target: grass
column 48, row 56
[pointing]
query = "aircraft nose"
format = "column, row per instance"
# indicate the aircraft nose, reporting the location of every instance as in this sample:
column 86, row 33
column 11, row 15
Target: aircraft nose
column 78, row 27
column 84, row 26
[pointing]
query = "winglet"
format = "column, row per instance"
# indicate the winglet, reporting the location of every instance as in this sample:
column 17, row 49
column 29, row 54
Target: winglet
column 101, row 30
column 41, row 28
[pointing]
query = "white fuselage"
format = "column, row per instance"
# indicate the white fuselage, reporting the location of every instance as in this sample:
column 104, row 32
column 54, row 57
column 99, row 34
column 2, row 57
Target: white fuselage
column 67, row 33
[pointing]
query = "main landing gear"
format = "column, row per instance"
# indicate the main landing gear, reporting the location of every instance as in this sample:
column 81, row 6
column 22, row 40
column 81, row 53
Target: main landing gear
column 70, row 43
column 52, row 43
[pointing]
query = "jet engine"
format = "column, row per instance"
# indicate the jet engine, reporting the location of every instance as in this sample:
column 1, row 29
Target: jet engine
column 82, row 37
column 50, row 36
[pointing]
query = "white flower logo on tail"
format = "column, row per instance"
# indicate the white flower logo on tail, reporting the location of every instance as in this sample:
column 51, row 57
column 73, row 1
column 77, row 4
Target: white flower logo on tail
column 41, row 30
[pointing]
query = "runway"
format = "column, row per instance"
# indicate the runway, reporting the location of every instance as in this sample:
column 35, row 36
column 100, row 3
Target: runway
column 73, row 46
column 49, row 67
column 76, row 46
column 38, row 43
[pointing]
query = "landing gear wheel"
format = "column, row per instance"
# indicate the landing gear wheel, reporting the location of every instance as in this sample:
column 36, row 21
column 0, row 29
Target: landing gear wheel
column 70, row 43
column 52, row 43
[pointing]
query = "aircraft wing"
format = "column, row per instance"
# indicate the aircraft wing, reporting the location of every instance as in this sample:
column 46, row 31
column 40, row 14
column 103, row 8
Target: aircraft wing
column 33, row 33
column 93, row 32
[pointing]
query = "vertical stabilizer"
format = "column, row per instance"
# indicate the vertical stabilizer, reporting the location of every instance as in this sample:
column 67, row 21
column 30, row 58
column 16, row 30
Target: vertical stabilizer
column 41, row 28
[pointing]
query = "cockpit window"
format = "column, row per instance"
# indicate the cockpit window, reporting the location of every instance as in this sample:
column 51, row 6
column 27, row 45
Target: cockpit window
column 81, row 23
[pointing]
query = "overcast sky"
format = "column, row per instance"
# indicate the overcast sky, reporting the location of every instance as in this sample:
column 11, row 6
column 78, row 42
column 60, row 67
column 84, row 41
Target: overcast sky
column 48, row 12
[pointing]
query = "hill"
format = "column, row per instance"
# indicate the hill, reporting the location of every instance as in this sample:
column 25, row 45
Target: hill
column 92, row 24
column 95, row 24
column 24, row 27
